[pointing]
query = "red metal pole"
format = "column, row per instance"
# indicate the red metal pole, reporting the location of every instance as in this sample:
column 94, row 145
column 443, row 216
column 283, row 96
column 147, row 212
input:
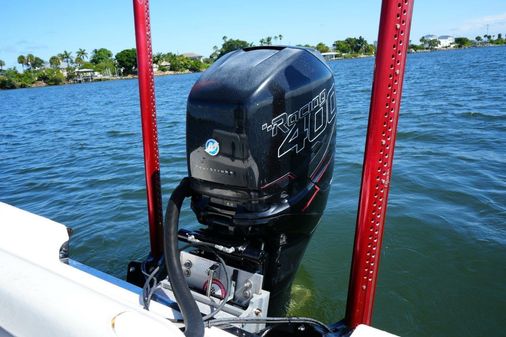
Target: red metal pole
column 393, row 42
column 149, row 130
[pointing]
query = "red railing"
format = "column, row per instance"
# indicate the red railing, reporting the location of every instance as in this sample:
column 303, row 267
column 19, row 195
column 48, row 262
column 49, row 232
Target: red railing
column 393, row 42
column 149, row 130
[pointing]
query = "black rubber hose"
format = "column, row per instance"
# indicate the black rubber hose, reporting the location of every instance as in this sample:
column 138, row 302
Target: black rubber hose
column 194, row 325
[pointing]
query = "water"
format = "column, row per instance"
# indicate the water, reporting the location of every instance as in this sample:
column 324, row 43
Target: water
column 74, row 154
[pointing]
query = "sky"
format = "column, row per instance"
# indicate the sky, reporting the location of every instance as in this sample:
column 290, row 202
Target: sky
column 46, row 28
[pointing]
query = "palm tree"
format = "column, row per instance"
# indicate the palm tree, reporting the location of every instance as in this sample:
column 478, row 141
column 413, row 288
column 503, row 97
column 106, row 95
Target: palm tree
column 81, row 53
column 2, row 64
column 54, row 61
column 79, row 61
column 360, row 44
column 22, row 61
column 66, row 57
column 157, row 58
column 30, row 58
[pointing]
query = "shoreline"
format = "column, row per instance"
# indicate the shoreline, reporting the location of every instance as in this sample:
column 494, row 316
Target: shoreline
column 41, row 84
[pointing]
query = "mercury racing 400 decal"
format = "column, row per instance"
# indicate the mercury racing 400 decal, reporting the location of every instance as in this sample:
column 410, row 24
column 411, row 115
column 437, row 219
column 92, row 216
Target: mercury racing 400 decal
column 305, row 124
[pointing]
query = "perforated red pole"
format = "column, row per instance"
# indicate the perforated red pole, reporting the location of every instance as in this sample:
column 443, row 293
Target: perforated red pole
column 393, row 42
column 149, row 130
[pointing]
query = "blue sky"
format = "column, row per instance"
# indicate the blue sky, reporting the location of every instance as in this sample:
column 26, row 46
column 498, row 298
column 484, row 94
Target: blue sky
column 46, row 28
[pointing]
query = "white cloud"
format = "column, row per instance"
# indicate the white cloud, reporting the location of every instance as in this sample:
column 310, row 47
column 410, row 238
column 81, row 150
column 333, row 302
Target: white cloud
column 496, row 23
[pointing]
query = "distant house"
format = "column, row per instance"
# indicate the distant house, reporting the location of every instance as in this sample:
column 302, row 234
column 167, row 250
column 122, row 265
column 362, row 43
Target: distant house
column 193, row 56
column 446, row 41
column 84, row 75
column 164, row 64
column 330, row 55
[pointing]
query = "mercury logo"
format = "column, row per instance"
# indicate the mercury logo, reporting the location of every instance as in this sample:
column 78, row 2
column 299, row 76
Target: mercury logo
column 212, row 147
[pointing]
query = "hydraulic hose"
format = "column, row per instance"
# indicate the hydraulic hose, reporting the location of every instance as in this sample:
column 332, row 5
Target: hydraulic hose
column 194, row 324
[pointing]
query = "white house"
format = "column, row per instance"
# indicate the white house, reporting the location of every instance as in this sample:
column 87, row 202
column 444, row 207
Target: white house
column 330, row 55
column 446, row 41
column 165, row 64
column 84, row 75
column 194, row 56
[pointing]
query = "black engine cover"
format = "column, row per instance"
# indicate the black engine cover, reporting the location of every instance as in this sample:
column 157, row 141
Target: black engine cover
column 260, row 148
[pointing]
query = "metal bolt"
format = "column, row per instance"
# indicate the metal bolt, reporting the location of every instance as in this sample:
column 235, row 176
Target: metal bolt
column 187, row 272
column 246, row 293
column 187, row 264
column 257, row 312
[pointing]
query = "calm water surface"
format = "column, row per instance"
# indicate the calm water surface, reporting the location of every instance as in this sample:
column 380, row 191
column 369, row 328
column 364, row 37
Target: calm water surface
column 74, row 154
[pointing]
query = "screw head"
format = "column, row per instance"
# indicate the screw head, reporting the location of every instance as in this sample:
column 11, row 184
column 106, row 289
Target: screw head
column 246, row 293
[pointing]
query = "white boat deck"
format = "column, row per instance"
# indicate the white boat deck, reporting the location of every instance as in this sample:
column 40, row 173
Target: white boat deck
column 42, row 296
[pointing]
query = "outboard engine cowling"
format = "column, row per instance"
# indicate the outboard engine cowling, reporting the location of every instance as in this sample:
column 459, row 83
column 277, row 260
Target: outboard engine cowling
column 260, row 147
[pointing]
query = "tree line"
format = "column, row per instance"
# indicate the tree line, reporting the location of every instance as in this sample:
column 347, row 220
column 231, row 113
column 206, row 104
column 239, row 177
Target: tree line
column 64, row 67
column 460, row 42
column 486, row 39
column 349, row 47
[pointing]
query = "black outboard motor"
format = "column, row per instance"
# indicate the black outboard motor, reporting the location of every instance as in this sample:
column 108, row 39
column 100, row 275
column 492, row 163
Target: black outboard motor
column 260, row 148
